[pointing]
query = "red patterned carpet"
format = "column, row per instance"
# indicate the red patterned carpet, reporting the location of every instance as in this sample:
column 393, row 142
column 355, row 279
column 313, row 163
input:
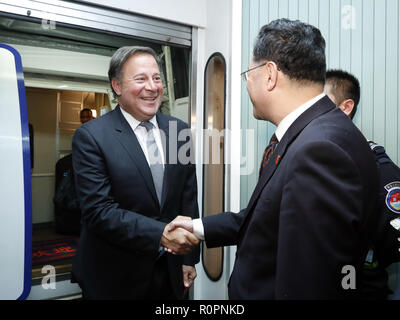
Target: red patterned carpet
column 53, row 250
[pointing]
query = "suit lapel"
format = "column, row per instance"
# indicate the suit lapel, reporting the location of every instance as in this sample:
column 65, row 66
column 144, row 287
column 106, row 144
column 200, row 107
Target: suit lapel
column 320, row 107
column 128, row 140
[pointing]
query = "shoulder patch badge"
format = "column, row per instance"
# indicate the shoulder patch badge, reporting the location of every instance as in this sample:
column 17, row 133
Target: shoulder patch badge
column 393, row 196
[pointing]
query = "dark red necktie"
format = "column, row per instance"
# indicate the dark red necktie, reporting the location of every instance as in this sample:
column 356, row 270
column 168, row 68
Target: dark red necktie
column 269, row 150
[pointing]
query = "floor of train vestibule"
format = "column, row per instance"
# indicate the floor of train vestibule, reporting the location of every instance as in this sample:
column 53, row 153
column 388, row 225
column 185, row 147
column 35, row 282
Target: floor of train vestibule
column 48, row 233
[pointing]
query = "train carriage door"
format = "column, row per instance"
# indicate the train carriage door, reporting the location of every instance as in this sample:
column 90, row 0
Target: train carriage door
column 65, row 49
column 15, row 182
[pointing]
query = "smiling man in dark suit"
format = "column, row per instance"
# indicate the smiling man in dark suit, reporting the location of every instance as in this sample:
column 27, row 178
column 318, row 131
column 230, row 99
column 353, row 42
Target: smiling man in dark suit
column 129, row 190
column 304, row 233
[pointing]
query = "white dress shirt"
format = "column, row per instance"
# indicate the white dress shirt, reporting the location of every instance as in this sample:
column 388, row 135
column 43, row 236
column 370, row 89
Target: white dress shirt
column 141, row 134
column 287, row 121
column 283, row 126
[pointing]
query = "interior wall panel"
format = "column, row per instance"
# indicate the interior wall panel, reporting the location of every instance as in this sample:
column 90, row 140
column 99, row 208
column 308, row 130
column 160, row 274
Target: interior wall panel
column 362, row 37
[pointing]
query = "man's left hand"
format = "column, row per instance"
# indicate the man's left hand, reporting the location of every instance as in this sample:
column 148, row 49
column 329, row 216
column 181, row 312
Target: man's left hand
column 189, row 274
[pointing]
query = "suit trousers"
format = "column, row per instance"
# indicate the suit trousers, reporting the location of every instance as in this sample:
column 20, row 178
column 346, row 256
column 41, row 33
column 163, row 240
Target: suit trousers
column 161, row 288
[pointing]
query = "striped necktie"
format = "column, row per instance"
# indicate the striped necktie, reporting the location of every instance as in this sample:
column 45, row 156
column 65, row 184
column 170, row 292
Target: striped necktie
column 269, row 150
column 155, row 159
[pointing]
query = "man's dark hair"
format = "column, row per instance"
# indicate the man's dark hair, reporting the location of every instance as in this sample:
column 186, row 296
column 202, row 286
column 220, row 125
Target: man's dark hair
column 344, row 86
column 86, row 110
column 297, row 48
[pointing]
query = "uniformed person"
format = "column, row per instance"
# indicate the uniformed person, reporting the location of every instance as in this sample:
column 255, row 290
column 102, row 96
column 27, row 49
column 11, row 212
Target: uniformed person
column 344, row 90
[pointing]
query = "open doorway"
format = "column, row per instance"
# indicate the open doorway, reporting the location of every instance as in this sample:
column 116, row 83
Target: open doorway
column 65, row 70
column 53, row 116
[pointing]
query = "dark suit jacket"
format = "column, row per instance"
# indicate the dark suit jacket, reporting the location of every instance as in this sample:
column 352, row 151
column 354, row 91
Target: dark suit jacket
column 309, row 215
column 67, row 215
column 122, row 221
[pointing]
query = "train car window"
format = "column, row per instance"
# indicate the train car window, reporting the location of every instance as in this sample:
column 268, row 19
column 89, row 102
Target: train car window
column 213, row 169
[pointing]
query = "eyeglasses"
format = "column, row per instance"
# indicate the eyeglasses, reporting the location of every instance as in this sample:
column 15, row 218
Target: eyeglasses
column 245, row 74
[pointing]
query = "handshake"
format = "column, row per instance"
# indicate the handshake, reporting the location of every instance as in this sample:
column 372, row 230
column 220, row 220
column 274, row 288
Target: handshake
column 178, row 236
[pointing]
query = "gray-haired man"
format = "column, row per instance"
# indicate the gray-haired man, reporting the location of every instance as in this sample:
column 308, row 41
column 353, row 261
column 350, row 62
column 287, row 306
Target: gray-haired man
column 124, row 182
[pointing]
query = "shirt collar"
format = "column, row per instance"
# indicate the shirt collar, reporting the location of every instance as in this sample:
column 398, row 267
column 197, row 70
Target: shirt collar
column 134, row 123
column 291, row 117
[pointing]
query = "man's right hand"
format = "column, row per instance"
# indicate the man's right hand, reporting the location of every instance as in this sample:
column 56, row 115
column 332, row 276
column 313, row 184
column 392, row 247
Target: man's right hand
column 181, row 222
column 176, row 239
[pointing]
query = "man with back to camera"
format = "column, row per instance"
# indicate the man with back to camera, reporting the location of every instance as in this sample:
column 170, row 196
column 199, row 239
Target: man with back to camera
column 343, row 89
column 129, row 191
column 308, row 218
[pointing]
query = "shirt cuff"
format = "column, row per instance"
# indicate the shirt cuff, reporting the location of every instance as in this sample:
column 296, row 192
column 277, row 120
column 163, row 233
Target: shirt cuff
column 198, row 228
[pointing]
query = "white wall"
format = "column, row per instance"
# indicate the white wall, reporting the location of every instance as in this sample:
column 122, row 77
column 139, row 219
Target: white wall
column 222, row 34
column 190, row 12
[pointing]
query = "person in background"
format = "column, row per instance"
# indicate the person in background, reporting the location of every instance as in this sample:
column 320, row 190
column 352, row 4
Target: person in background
column 86, row 115
column 343, row 89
